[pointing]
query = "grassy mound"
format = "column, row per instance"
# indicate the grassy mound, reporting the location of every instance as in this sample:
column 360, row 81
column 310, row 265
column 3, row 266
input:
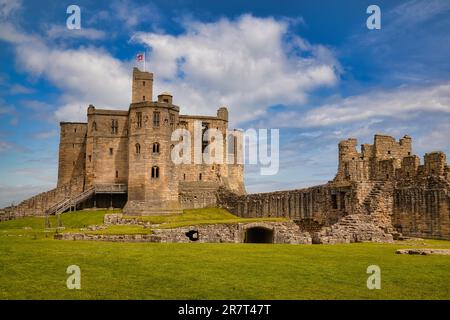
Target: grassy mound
column 199, row 217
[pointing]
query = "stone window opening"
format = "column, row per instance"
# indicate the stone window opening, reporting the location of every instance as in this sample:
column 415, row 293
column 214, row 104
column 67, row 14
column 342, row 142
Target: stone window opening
column 156, row 147
column 111, row 151
column 166, row 100
column 205, row 138
column 334, row 204
column 172, row 119
column 117, row 174
column 143, row 83
column 155, row 172
column 409, row 153
column 143, row 98
column 193, row 235
column 139, row 119
column 138, row 148
column 114, row 126
column 75, row 130
column 200, row 177
column 389, row 151
column 94, row 126
column 156, row 118
column 184, row 176
column 90, row 158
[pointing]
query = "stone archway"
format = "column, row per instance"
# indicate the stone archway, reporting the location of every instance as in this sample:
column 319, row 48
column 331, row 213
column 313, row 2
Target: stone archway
column 258, row 235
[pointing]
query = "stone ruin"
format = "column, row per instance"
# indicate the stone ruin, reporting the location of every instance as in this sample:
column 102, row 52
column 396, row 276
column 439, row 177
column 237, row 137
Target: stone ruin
column 380, row 193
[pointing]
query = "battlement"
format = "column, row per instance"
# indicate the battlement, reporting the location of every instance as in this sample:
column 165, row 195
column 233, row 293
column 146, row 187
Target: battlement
column 386, row 159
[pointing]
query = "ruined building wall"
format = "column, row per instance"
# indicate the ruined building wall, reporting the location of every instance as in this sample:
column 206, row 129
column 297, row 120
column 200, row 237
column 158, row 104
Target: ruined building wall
column 422, row 197
column 324, row 204
column 384, row 182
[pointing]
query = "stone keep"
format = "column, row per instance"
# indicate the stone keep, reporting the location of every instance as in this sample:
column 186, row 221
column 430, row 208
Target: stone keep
column 133, row 148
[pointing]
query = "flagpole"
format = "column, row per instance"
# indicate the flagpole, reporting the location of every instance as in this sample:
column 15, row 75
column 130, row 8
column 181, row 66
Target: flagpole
column 144, row 61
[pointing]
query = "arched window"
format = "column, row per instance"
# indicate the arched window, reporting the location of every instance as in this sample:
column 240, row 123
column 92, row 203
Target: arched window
column 94, row 126
column 155, row 172
column 200, row 177
column 138, row 148
column 156, row 147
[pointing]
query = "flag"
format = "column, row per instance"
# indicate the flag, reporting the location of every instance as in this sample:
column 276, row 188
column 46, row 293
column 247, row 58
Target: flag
column 140, row 57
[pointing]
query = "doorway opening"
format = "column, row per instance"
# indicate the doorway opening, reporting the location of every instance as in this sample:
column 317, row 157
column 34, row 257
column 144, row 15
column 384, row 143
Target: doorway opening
column 258, row 235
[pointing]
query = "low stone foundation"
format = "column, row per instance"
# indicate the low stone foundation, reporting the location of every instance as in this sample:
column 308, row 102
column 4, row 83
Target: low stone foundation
column 424, row 252
column 272, row 232
column 283, row 232
column 350, row 229
column 353, row 228
column 108, row 237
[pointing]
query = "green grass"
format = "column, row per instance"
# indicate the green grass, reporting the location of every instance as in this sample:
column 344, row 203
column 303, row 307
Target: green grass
column 78, row 219
column 33, row 266
column 199, row 217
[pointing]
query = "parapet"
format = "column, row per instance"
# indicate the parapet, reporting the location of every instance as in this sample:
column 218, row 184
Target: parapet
column 435, row 163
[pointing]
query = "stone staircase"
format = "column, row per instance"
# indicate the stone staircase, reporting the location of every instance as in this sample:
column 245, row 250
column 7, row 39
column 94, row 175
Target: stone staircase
column 353, row 228
column 379, row 204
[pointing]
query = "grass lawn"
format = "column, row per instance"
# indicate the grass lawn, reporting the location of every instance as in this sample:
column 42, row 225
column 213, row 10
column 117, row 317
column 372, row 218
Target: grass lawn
column 33, row 266
column 198, row 217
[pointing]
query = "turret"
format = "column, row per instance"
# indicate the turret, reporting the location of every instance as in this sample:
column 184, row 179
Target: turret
column 142, row 87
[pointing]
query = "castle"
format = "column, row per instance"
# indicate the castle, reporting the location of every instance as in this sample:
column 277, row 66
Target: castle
column 122, row 159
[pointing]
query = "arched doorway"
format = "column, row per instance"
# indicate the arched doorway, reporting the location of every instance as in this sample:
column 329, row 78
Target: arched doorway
column 258, row 235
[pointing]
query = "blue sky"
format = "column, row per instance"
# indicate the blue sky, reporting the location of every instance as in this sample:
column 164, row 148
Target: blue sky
column 310, row 68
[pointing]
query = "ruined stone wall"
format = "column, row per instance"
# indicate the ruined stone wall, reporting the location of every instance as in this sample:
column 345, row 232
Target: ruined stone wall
column 324, row 204
column 195, row 194
column 422, row 208
column 379, row 161
column 38, row 204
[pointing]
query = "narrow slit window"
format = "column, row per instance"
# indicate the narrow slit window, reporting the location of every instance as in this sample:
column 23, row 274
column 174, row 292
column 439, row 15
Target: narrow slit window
column 156, row 119
column 156, row 147
column 155, row 172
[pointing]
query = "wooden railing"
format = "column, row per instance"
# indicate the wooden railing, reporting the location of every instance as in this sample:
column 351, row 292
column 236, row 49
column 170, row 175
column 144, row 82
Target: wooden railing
column 111, row 188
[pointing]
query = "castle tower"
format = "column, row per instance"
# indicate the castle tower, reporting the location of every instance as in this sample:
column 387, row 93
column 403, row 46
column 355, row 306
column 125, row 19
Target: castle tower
column 72, row 148
column 152, row 176
column 142, row 88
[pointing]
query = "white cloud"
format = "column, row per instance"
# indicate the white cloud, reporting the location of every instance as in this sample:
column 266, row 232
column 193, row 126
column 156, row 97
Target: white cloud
column 85, row 75
column 20, row 89
column 58, row 31
column 401, row 103
column 132, row 14
column 437, row 138
column 7, row 7
column 244, row 64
